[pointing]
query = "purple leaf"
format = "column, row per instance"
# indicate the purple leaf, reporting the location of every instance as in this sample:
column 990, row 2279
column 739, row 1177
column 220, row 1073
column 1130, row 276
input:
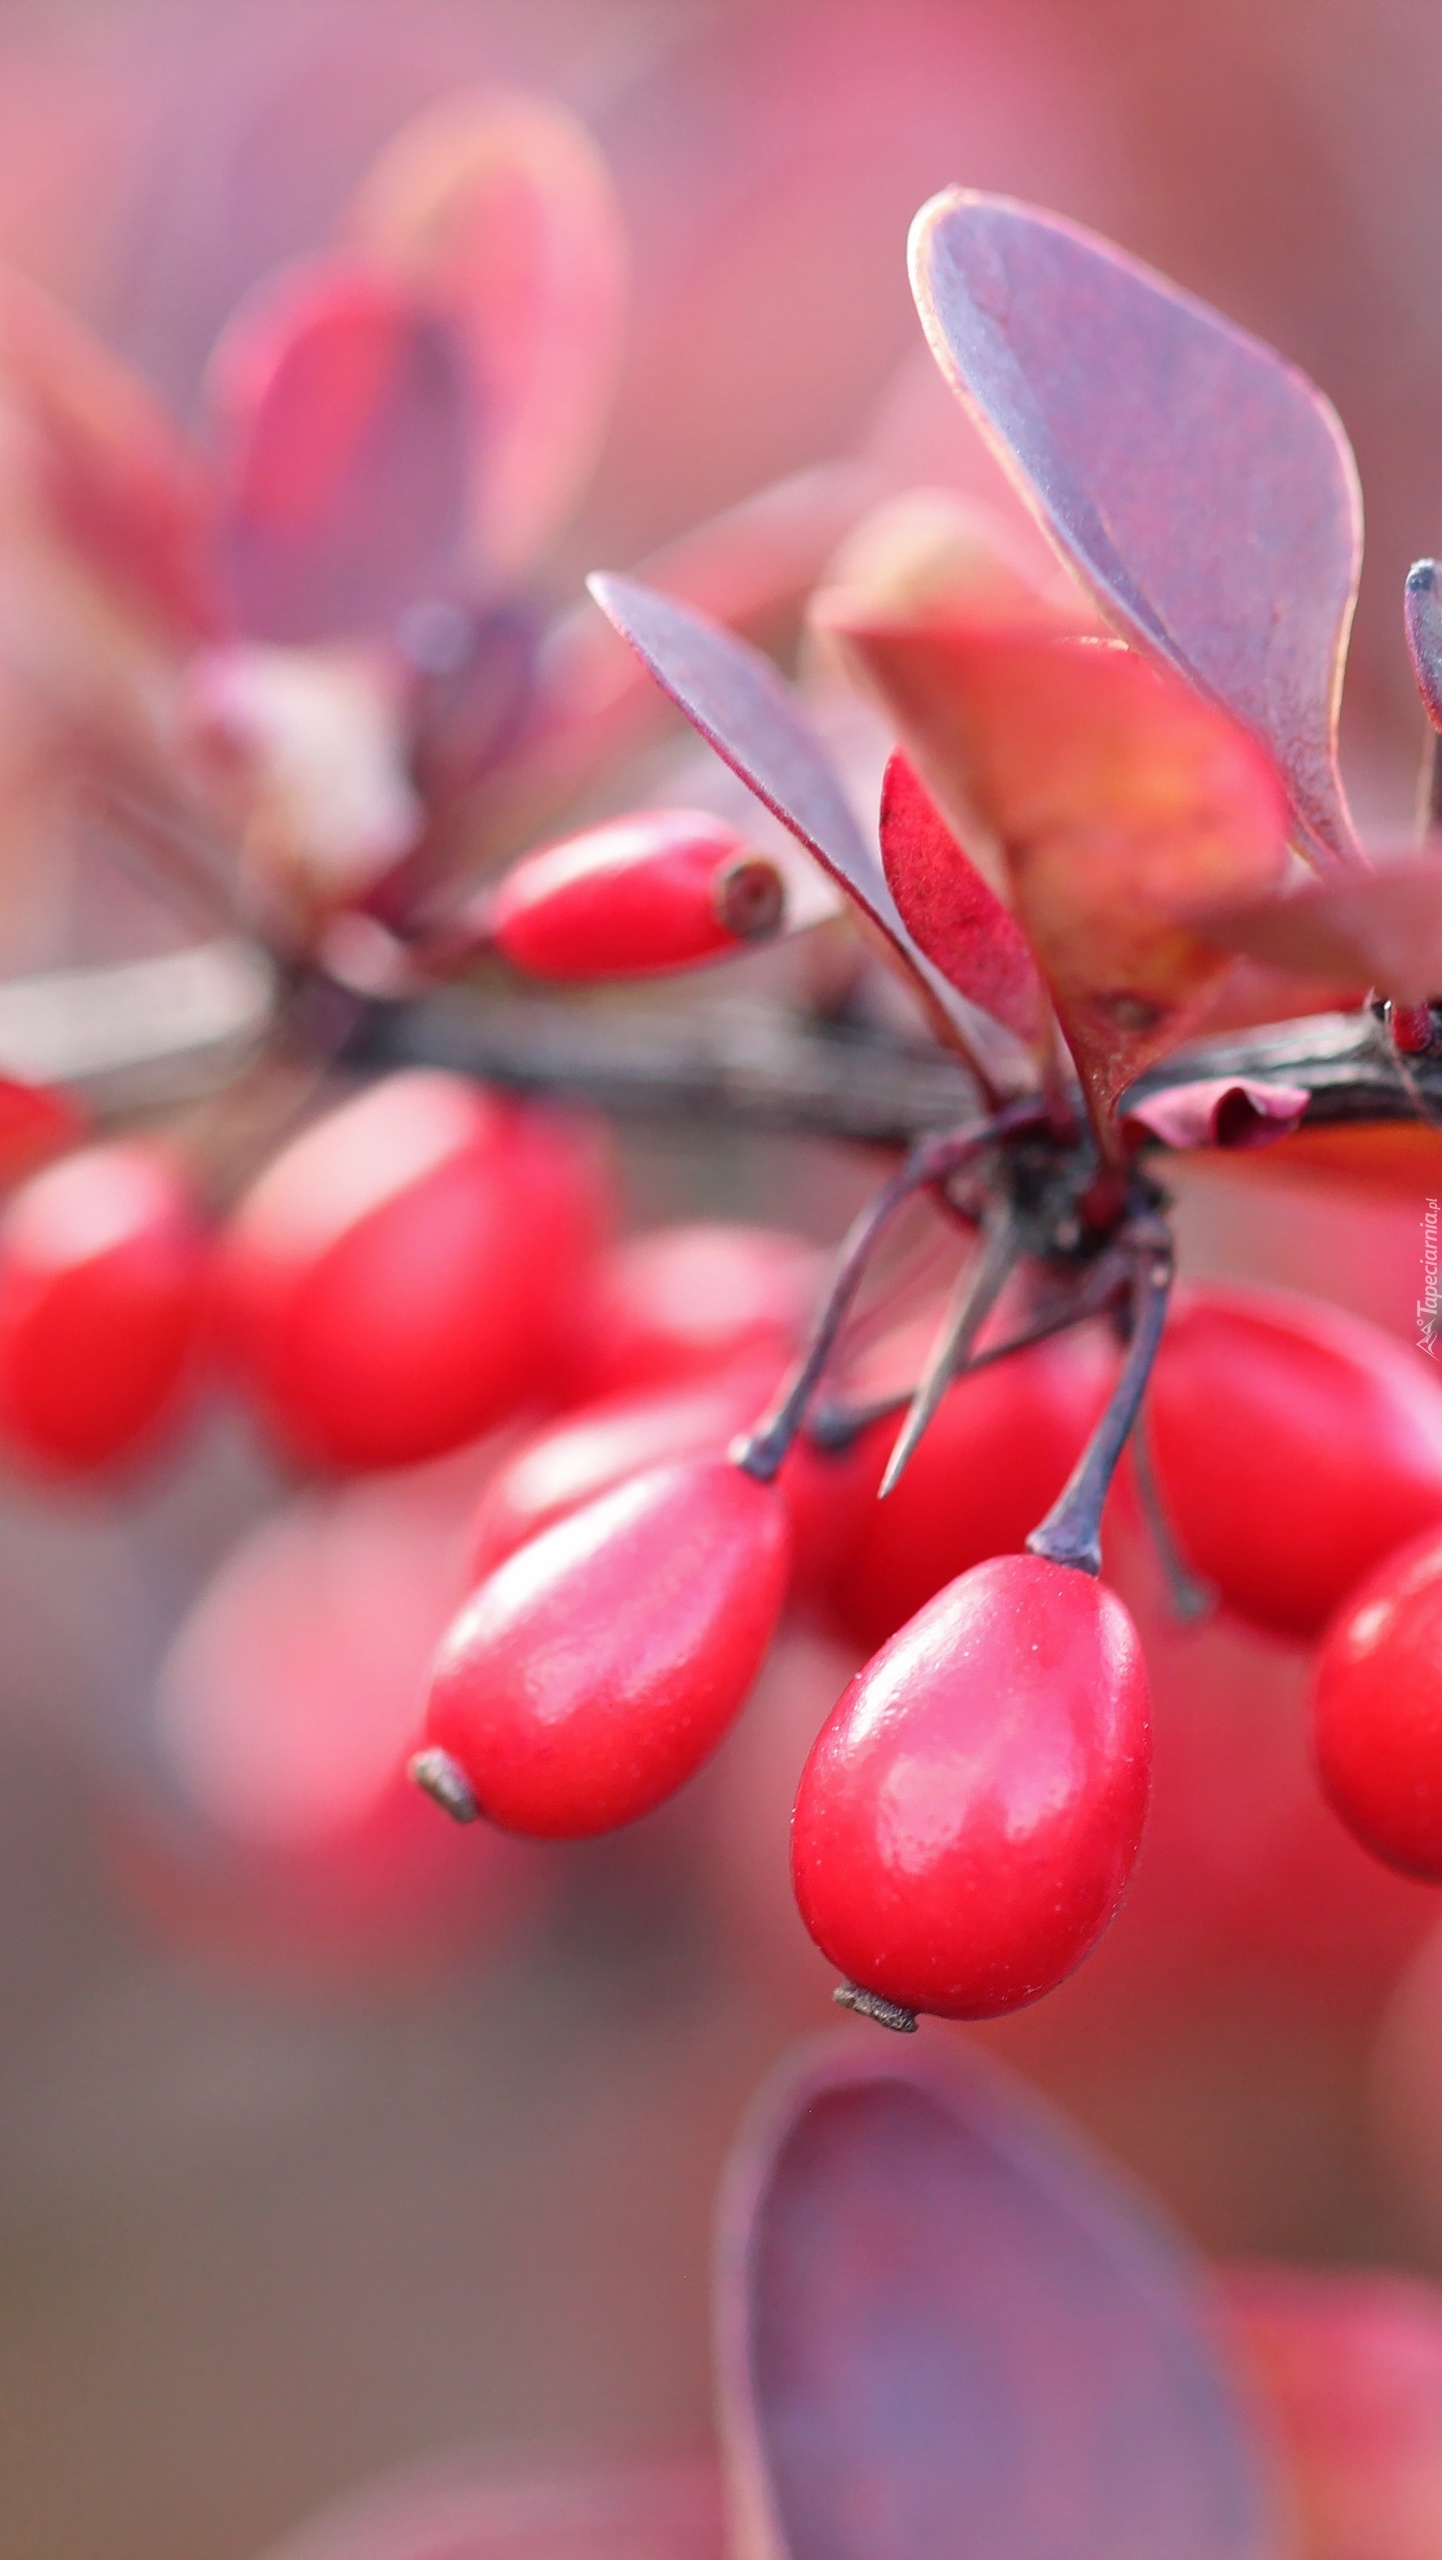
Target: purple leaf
column 947, row 2334
column 749, row 714
column 345, row 425
column 1422, row 609
column 1221, row 1111
column 1202, row 488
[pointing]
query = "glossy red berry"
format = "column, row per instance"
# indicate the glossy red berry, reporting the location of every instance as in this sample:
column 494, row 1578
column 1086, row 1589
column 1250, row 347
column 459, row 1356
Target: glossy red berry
column 406, row 1273
column 677, row 1303
column 1377, row 1710
column 661, row 890
column 970, row 1813
column 600, row 1665
column 991, row 1463
column 104, row 1273
column 1295, row 1446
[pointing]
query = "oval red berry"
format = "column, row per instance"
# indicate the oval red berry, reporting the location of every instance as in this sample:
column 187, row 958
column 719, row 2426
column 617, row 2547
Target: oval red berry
column 601, row 1663
column 970, row 1814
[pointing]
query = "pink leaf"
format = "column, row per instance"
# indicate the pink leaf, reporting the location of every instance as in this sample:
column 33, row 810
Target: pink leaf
column 957, row 920
column 736, row 699
column 1201, row 487
column 496, row 210
column 945, row 2331
column 109, row 469
column 1220, row 1111
column 1383, row 931
column 344, row 427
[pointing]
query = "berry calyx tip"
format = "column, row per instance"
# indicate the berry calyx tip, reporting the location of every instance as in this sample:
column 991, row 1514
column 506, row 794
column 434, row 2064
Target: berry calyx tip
column 445, row 1782
column 871, row 2004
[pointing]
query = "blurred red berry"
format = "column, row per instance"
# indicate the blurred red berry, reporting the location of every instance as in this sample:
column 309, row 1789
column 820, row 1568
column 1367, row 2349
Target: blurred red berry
column 1377, row 1710
column 678, row 1302
column 104, row 1273
column 1295, row 1445
column 971, row 1811
column 405, row 1274
column 585, row 1453
column 597, row 1668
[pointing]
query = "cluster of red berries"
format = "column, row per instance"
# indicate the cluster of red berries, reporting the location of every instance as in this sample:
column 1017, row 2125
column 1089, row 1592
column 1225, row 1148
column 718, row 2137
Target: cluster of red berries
column 972, row 1809
column 430, row 1261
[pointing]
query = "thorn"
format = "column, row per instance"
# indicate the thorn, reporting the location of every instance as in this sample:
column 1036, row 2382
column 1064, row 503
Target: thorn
column 445, row 1782
column 977, row 1293
column 872, row 2004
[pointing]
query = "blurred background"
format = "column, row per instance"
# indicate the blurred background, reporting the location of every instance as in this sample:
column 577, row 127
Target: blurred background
column 277, row 2213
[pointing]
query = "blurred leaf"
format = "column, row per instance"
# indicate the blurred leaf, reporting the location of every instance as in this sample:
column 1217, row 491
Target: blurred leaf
column 1116, row 800
column 736, row 699
column 1352, row 2367
column 495, row 210
column 345, row 429
column 1201, row 487
column 946, row 2334
column 1383, row 931
column 665, row 2509
column 107, row 469
column 957, row 920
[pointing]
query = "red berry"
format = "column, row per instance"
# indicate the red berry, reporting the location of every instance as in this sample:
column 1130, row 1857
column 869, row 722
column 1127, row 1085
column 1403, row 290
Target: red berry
column 660, row 890
column 405, row 1274
column 991, row 1463
column 607, row 1443
column 601, row 1664
column 970, row 1813
column 1377, row 1710
column 677, row 1303
column 1295, row 1447
column 104, row 1271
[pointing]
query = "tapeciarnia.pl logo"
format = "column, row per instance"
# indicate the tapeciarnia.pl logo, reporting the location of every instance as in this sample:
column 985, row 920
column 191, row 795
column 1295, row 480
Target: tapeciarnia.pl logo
column 1427, row 1303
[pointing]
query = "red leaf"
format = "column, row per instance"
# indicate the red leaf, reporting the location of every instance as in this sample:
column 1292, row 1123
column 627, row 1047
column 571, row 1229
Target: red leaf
column 954, row 916
column 1114, row 801
column 1220, row 1111
column 496, row 210
column 944, row 2329
column 35, row 1124
column 345, row 429
column 736, row 699
column 1201, row 487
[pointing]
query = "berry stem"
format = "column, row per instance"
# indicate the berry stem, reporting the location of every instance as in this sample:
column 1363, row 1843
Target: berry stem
column 762, row 1452
column 1071, row 1532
